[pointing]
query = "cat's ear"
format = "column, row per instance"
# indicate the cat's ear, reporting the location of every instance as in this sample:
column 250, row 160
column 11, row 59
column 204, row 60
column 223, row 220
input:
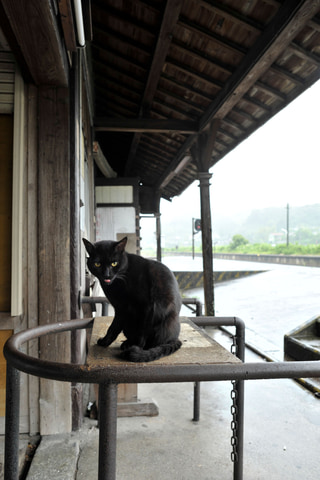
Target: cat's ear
column 121, row 245
column 88, row 245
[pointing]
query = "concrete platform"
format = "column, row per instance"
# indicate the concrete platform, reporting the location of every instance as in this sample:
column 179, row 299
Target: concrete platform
column 282, row 435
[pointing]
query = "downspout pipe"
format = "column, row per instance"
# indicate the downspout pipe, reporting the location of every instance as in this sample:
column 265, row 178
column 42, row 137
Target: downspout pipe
column 79, row 22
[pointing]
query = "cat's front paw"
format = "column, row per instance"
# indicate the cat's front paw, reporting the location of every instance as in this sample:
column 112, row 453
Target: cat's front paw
column 103, row 342
column 125, row 345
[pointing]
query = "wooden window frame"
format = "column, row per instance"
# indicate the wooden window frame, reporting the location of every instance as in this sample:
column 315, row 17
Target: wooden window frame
column 17, row 196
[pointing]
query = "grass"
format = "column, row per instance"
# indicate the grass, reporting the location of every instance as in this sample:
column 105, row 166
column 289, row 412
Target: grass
column 267, row 249
column 253, row 249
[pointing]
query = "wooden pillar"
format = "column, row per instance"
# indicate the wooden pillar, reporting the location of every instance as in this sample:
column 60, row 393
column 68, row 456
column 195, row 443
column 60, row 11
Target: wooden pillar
column 208, row 281
column 75, row 259
column 202, row 151
column 54, row 250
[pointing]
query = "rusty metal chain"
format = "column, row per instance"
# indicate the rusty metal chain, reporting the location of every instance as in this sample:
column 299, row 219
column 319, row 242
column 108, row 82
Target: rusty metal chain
column 234, row 408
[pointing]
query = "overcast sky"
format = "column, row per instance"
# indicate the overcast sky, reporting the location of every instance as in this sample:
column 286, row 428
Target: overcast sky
column 278, row 164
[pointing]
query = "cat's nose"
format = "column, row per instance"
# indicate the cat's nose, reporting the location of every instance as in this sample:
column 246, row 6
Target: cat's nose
column 107, row 273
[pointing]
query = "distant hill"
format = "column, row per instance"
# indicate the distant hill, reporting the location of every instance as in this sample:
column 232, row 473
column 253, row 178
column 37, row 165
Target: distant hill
column 302, row 220
column 256, row 226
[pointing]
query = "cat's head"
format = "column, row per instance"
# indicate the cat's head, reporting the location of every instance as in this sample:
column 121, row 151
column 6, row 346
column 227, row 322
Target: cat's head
column 106, row 259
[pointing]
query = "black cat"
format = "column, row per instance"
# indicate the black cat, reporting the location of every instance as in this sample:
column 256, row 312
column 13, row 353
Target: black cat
column 145, row 297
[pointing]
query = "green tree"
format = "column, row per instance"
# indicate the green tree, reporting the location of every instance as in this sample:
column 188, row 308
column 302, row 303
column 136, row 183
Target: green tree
column 237, row 240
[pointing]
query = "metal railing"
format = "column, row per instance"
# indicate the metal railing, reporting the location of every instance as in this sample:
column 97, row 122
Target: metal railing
column 188, row 302
column 108, row 379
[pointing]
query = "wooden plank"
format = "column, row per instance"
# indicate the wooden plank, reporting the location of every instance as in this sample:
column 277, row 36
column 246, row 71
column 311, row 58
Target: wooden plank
column 197, row 347
column 289, row 20
column 31, row 294
column 54, row 255
column 6, row 148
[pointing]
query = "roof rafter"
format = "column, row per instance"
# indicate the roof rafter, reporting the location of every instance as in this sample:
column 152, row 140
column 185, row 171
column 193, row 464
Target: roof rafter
column 170, row 16
column 145, row 125
column 289, row 20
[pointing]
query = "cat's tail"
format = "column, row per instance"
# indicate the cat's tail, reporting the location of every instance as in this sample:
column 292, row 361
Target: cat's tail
column 138, row 354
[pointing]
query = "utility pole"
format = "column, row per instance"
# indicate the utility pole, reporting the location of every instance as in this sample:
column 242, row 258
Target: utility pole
column 287, row 224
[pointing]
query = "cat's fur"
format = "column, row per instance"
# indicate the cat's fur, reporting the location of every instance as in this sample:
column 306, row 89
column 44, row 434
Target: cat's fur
column 146, row 299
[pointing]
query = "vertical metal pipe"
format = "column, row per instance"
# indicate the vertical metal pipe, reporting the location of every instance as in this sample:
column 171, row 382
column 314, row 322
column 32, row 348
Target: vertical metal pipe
column 288, row 224
column 158, row 235
column 11, row 454
column 196, row 401
column 192, row 238
column 196, row 388
column 198, row 308
column 104, row 309
column 240, row 338
column 108, row 430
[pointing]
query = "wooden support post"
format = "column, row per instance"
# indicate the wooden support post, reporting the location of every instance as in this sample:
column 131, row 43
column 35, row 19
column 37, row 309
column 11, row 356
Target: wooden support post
column 208, row 283
column 202, row 152
column 54, row 245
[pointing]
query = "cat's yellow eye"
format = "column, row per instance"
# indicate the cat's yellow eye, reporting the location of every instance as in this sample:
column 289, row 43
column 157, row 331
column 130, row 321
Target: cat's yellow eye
column 114, row 264
column 97, row 264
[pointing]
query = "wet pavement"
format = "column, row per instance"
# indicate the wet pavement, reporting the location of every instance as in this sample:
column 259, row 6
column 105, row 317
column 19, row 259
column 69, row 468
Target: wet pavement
column 271, row 303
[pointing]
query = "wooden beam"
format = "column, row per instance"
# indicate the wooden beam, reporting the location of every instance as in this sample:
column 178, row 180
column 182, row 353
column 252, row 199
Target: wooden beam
column 140, row 125
column 202, row 149
column 233, row 15
column 190, row 71
column 102, row 9
column 209, row 35
column 170, row 17
column 119, row 37
column 37, row 40
column 223, row 67
column 203, row 56
column 289, row 20
column 67, row 23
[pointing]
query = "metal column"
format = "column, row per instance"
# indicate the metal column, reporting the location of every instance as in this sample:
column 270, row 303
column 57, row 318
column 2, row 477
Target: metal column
column 11, row 453
column 108, row 395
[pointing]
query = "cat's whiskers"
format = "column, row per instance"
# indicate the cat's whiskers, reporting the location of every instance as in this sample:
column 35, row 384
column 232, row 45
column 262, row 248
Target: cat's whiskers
column 122, row 277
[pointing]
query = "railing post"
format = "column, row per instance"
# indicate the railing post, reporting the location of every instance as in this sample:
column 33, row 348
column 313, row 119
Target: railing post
column 108, row 394
column 11, row 454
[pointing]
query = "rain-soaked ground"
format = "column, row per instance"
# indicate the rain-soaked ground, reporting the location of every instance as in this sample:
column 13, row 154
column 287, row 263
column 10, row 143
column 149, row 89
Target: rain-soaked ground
column 271, row 303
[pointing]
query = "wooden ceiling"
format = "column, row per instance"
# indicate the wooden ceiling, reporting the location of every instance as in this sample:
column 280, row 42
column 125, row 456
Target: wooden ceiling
column 165, row 71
